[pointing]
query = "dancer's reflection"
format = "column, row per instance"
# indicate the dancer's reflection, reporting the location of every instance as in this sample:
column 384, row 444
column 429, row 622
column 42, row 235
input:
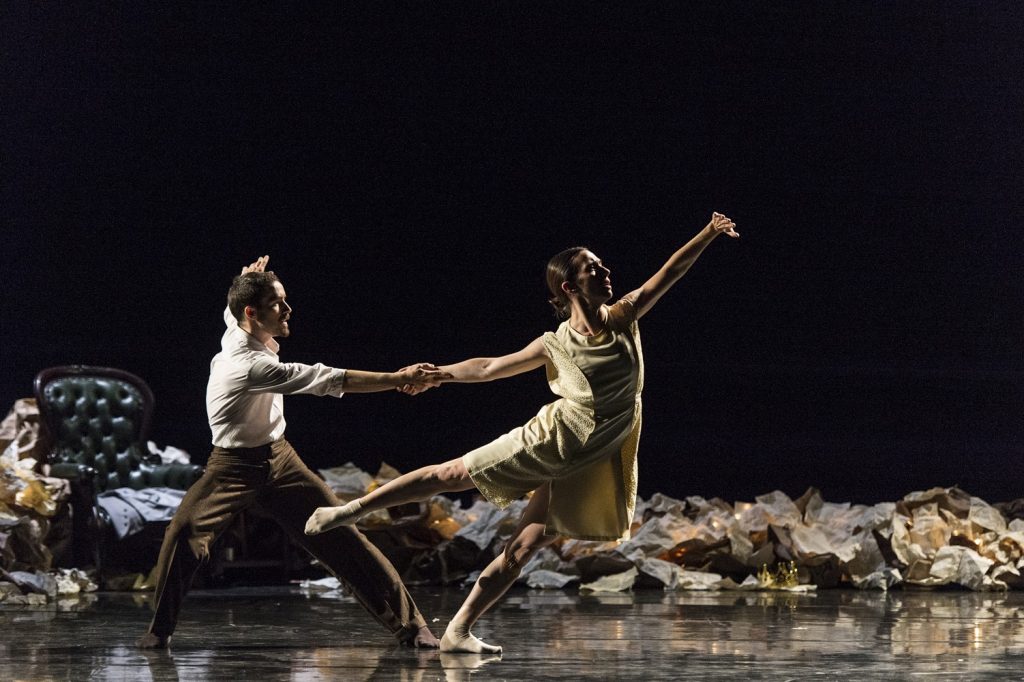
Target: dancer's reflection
column 459, row 667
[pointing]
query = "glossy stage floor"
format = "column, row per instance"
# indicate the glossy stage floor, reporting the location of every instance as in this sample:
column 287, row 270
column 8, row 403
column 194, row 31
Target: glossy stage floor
column 282, row 633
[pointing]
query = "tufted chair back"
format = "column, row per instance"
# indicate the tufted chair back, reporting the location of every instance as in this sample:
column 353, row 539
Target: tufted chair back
column 97, row 420
column 99, row 417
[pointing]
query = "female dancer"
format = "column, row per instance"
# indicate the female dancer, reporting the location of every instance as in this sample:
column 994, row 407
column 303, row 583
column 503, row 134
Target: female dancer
column 578, row 454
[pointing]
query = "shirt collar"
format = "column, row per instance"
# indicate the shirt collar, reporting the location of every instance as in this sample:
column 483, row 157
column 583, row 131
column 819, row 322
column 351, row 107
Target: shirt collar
column 252, row 342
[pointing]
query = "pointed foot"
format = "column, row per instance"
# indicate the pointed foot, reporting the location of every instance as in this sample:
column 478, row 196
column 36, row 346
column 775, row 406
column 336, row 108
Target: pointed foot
column 469, row 644
column 324, row 519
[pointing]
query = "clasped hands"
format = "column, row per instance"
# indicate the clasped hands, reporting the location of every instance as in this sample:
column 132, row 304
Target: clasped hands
column 421, row 377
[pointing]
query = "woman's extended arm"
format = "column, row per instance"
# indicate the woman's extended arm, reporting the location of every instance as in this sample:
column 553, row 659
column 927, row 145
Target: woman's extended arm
column 488, row 369
column 476, row 370
column 647, row 295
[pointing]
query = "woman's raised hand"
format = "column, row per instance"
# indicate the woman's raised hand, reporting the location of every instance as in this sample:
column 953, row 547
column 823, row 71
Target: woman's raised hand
column 723, row 224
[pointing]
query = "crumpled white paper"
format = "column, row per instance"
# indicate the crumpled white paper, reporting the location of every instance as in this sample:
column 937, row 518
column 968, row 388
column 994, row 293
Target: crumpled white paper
column 74, row 581
column 617, row 582
column 323, row 584
column 699, row 580
column 328, row 588
column 491, row 522
column 169, row 454
column 543, row 578
column 665, row 572
column 347, row 481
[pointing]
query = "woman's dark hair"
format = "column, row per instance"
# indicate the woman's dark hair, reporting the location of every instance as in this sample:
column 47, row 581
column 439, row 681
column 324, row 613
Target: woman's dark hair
column 562, row 268
column 252, row 288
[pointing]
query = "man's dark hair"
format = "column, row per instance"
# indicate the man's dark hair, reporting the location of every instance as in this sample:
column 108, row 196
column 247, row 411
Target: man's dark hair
column 249, row 289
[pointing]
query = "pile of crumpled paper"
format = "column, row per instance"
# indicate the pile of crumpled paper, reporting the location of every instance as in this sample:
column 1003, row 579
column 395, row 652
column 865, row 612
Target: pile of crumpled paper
column 29, row 502
column 941, row 536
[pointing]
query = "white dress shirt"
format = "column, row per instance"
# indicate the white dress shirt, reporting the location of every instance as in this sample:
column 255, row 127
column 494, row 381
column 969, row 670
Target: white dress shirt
column 245, row 395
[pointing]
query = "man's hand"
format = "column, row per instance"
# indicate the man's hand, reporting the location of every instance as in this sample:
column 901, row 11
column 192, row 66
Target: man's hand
column 421, row 377
column 258, row 265
column 721, row 224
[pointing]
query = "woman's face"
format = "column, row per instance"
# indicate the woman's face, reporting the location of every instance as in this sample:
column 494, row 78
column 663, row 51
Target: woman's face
column 593, row 279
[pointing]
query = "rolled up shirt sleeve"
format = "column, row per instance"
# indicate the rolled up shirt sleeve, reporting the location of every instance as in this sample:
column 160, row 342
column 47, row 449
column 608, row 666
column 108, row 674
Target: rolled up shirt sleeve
column 290, row 378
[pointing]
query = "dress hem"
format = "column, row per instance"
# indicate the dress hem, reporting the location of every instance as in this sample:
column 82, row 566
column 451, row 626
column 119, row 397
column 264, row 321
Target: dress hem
column 548, row 530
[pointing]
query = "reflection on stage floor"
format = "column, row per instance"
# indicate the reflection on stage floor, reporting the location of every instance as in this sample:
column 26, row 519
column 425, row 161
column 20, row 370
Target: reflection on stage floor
column 282, row 633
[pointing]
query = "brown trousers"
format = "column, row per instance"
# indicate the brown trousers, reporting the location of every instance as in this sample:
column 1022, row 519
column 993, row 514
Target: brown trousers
column 274, row 478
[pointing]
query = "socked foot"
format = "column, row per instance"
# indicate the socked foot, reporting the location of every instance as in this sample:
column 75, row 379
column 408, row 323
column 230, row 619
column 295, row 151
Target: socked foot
column 152, row 641
column 455, row 643
column 326, row 518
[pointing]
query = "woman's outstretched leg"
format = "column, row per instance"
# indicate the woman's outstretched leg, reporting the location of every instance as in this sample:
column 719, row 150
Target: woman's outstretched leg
column 500, row 574
column 421, row 484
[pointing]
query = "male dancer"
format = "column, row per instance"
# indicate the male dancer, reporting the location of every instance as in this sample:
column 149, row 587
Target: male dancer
column 251, row 463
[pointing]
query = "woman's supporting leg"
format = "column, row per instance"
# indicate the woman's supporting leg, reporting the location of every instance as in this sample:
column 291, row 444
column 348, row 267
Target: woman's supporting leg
column 422, row 484
column 500, row 574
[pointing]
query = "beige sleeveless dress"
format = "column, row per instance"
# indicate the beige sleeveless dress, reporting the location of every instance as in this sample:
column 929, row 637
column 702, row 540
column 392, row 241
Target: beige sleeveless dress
column 585, row 443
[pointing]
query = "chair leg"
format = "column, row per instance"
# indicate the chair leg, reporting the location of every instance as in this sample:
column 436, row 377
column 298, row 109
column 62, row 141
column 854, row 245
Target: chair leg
column 85, row 551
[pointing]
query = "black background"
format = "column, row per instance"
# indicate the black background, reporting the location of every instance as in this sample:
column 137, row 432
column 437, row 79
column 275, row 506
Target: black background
column 411, row 167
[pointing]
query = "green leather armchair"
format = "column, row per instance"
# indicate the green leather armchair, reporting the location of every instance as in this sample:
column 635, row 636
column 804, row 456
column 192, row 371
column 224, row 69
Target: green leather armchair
column 98, row 420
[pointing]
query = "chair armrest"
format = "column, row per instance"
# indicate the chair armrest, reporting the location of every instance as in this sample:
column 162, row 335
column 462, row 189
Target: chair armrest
column 174, row 475
column 184, row 475
column 71, row 471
